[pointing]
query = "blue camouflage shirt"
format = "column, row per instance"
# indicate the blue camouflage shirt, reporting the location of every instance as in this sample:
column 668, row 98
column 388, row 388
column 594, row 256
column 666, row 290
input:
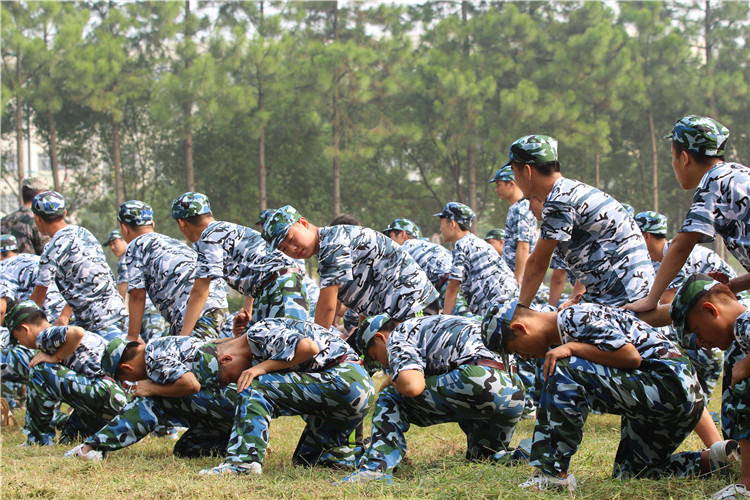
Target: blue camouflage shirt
column 520, row 225
column 721, row 206
column 169, row 358
column 435, row 260
column 700, row 260
column 75, row 261
column 742, row 330
column 18, row 276
column 599, row 241
column 86, row 360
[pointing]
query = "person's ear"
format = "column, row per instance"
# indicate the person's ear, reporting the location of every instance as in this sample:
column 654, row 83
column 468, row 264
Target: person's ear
column 711, row 308
column 518, row 326
column 225, row 358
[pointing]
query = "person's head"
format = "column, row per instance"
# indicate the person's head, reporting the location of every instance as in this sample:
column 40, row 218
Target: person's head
column 8, row 246
column 401, row 230
column 509, row 327
column 344, row 220
column 455, row 220
column 125, row 360
column 49, row 210
column 653, row 225
column 192, row 211
column 536, row 206
column 505, row 183
column 698, row 142
column 496, row 238
column 234, row 357
column 291, row 233
column 24, row 319
column 32, row 186
column 116, row 243
column 135, row 218
column 263, row 217
column 534, row 161
column 372, row 338
column 703, row 313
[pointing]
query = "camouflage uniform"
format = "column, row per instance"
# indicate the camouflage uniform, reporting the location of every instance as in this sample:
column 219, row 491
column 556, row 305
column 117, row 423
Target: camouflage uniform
column 520, row 225
column 735, row 401
column 659, row 402
column 153, row 325
column 21, row 225
column 448, row 350
column 331, row 391
column 18, row 276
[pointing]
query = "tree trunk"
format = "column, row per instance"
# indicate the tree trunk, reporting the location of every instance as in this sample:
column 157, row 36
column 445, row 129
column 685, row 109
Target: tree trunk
column 53, row 152
column 707, row 36
column 19, row 130
column 261, row 138
column 336, row 126
column 654, row 160
column 187, row 111
column 119, row 192
column 472, row 174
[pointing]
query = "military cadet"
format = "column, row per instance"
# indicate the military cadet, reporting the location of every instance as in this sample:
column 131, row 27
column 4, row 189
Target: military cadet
column 592, row 231
column 707, row 312
column 66, row 369
column 285, row 366
column 719, row 204
column 609, row 361
column 164, row 268
column 440, row 372
column 75, row 261
column 368, row 272
column 434, row 259
column 496, row 238
column 271, row 282
column 476, row 268
column 21, row 222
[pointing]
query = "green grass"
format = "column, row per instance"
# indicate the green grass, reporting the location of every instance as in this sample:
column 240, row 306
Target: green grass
column 434, row 468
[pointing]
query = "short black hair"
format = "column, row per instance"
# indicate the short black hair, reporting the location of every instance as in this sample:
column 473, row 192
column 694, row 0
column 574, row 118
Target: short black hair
column 127, row 355
column 700, row 158
column 27, row 194
column 344, row 220
column 546, row 168
column 51, row 218
column 462, row 226
column 197, row 220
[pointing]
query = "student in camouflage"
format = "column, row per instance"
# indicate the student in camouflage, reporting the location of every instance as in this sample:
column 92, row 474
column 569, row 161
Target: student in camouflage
column 592, row 231
column 496, row 238
column 609, row 361
column 75, row 261
column 719, row 204
column 285, row 366
column 440, row 372
column 366, row 271
column 271, row 282
column 21, row 222
column 164, row 268
column 66, row 369
column 476, row 268
column 434, row 259
column 707, row 313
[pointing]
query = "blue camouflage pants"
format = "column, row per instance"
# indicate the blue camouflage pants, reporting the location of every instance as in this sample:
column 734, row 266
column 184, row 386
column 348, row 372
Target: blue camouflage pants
column 735, row 403
column 707, row 364
column 660, row 404
column 14, row 372
column 461, row 308
column 286, row 297
column 484, row 402
column 332, row 403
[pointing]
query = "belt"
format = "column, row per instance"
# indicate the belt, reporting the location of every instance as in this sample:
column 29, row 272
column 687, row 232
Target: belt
column 442, row 281
column 487, row 362
column 277, row 274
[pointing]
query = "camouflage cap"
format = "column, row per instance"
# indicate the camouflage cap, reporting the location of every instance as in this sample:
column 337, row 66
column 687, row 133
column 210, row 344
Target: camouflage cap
column 700, row 134
column 495, row 234
column 505, row 173
column 496, row 324
column 278, row 224
column 190, row 204
column 652, row 222
column 18, row 313
column 629, row 208
column 263, row 216
column 35, row 183
column 113, row 235
column 8, row 243
column 404, row 225
column 49, row 203
column 367, row 330
column 686, row 297
column 112, row 354
column 135, row 212
column 533, row 149
column 458, row 212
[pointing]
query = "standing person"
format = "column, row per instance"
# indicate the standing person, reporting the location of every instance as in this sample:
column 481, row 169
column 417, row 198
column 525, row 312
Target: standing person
column 593, row 233
column 719, row 204
column 476, row 268
column 75, row 261
column 21, row 222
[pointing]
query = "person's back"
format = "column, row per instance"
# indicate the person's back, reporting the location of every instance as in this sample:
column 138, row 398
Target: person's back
column 21, row 222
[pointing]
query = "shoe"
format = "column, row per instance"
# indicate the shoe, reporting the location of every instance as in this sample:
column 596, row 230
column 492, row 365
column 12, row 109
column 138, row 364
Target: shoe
column 540, row 480
column 723, row 453
column 93, row 455
column 732, row 492
column 517, row 456
column 366, row 476
column 234, row 469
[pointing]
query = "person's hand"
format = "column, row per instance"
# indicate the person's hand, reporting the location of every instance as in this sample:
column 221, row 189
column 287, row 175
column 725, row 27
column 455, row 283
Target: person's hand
column 741, row 370
column 144, row 388
column 387, row 382
column 550, row 359
column 573, row 300
column 247, row 377
column 42, row 357
column 642, row 305
column 241, row 320
column 61, row 321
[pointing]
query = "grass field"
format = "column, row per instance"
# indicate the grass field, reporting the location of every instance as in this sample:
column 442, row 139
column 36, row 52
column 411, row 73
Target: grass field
column 434, row 468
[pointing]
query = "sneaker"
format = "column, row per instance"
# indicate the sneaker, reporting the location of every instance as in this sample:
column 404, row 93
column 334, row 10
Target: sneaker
column 732, row 492
column 365, row 476
column 723, row 453
column 93, row 455
column 234, row 469
column 540, row 480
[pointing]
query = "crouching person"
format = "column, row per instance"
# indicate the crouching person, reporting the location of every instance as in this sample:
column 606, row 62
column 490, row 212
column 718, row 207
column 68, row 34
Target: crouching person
column 285, row 366
column 67, row 369
column 609, row 361
column 441, row 372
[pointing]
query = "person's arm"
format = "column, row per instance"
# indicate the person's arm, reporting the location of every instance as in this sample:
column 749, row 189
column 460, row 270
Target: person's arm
column 678, row 252
column 64, row 317
column 198, row 297
column 575, row 296
column 740, row 283
column 248, row 306
column 657, row 317
column 522, row 256
column 409, row 383
column 123, row 289
column 3, row 306
column 73, row 339
column 39, row 295
column 536, row 268
column 325, row 311
column 451, row 293
column 556, row 286
column 136, row 308
column 186, row 385
column 625, row 357
column 740, row 370
column 306, row 349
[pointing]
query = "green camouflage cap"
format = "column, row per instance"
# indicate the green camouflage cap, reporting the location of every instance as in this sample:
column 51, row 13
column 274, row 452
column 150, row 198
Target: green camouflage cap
column 652, row 222
column 367, row 330
column 496, row 324
column 264, row 215
column 135, row 212
column 495, row 234
column 35, row 183
column 533, row 149
column 113, row 235
column 18, row 313
column 458, row 212
column 686, row 297
column 700, row 134
column 49, row 203
column 112, row 354
column 278, row 224
column 404, row 225
column 189, row 205
column 629, row 208
column 8, row 243
column 505, row 173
